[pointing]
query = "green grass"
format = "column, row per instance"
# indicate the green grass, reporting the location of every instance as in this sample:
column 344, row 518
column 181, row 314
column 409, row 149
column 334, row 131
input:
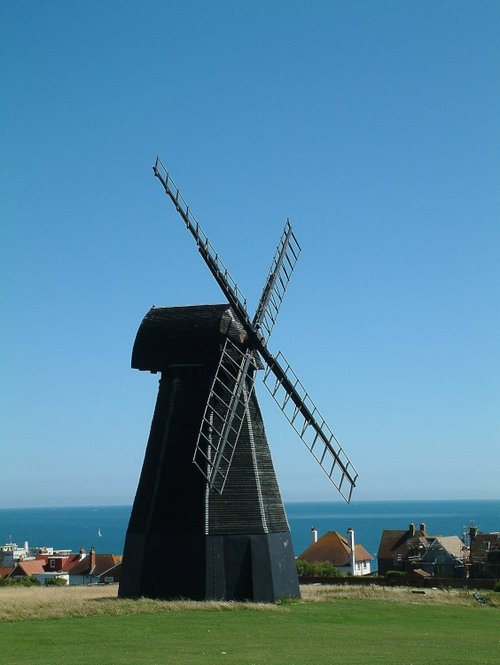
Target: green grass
column 343, row 631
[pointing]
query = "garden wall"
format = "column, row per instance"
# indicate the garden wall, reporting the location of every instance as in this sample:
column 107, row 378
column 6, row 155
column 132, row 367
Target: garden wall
column 367, row 580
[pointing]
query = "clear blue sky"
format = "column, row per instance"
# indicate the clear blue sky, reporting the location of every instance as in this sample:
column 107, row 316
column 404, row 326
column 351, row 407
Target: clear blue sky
column 374, row 126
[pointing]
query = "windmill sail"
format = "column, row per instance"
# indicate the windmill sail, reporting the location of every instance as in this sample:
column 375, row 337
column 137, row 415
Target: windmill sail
column 224, row 414
column 301, row 412
column 211, row 257
column 224, row 411
column 233, row 382
column 282, row 266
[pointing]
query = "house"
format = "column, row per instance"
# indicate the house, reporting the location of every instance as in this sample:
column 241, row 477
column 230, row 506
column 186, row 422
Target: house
column 398, row 546
column 37, row 568
column 444, row 557
column 10, row 553
column 412, row 549
column 342, row 552
column 96, row 569
column 484, row 554
column 27, row 569
column 74, row 569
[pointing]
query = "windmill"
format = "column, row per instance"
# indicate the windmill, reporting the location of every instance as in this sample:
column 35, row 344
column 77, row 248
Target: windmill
column 208, row 520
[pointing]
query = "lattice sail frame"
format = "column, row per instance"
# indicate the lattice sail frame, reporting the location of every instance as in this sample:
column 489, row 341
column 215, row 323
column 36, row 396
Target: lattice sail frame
column 224, row 414
column 210, row 454
column 282, row 267
column 312, row 429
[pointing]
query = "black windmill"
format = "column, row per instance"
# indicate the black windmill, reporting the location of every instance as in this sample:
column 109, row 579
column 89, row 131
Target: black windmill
column 208, row 520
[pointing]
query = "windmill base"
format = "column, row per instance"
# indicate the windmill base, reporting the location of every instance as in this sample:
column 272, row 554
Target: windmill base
column 255, row 567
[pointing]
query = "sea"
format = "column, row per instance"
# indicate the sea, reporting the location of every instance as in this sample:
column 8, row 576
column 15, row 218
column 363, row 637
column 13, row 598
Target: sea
column 104, row 527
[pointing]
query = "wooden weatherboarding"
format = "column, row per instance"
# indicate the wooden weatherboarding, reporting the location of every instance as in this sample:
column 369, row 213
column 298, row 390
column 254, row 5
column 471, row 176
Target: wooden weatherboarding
column 208, row 520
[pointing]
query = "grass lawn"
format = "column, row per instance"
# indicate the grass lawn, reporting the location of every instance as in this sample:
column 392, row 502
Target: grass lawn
column 339, row 630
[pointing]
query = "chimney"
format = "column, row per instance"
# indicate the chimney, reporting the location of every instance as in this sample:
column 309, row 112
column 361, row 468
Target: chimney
column 314, row 535
column 422, row 528
column 83, row 553
column 472, row 533
column 411, row 529
column 92, row 560
column 352, row 553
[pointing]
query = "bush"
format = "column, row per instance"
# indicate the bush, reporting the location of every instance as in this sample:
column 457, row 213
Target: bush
column 317, row 569
column 56, row 581
column 395, row 573
column 21, row 581
column 497, row 587
column 27, row 581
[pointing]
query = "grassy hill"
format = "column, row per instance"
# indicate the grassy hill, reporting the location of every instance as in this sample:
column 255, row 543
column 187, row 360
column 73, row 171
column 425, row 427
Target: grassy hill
column 347, row 625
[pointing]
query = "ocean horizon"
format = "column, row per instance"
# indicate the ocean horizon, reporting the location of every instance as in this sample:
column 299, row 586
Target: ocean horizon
column 104, row 527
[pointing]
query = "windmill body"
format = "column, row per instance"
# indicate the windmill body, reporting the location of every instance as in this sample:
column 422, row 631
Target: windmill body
column 185, row 540
column 208, row 520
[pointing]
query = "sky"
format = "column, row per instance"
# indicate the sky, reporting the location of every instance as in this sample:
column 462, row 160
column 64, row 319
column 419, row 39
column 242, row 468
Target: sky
column 373, row 126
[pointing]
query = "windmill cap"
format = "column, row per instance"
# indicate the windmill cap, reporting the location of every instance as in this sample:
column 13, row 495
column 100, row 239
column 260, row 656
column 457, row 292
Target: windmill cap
column 176, row 335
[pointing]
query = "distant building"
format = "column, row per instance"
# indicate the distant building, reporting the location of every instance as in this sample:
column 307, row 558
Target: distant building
column 444, row 557
column 413, row 549
column 342, row 552
column 10, row 553
column 74, row 569
column 38, row 569
column 96, row 569
column 397, row 546
column 484, row 554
